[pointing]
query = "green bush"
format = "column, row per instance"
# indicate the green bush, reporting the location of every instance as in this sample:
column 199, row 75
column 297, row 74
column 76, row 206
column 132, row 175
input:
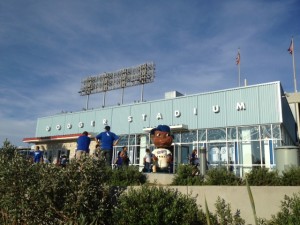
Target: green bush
column 289, row 213
column 89, row 192
column 8, row 151
column 17, row 179
column 155, row 205
column 260, row 176
column 291, row 177
column 48, row 194
column 127, row 176
column 184, row 176
column 221, row 176
column 81, row 193
column 224, row 214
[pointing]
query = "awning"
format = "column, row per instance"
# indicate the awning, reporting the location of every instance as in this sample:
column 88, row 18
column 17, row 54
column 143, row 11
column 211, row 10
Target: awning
column 53, row 138
column 176, row 128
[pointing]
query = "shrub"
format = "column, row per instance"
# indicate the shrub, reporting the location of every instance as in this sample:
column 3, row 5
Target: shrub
column 260, row 176
column 128, row 175
column 155, row 205
column 17, row 178
column 8, row 151
column 221, row 176
column 224, row 214
column 291, row 177
column 185, row 176
column 290, row 211
column 81, row 193
column 48, row 194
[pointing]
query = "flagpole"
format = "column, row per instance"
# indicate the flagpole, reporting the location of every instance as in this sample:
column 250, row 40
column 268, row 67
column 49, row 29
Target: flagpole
column 294, row 69
column 238, row 62
column 239, row 68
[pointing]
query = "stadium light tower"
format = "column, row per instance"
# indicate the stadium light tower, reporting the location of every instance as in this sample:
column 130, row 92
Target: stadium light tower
column 128, row 77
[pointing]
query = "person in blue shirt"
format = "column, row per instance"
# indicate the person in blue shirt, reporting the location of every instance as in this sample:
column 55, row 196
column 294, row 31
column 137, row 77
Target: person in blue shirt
column 38, row 155
column 107, row 140
column 83, row 145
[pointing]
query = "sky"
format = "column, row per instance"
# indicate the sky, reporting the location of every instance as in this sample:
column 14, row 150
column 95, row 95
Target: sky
column 48, row 47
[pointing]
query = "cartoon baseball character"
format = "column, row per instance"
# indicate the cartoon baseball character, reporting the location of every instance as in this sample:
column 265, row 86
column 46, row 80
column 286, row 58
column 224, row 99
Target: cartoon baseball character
column 162, row 139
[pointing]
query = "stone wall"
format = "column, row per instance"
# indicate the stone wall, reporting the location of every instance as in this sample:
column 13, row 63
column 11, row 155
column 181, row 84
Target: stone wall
column 267, row 198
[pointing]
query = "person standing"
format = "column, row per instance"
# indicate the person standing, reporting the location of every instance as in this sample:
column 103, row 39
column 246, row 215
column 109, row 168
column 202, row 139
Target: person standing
column 83, row 145
column 63, row 160
column 124, row 156
column 193, row 157
column 107, row 140
column 38, row 155
column 119, row 161
column 147, row 160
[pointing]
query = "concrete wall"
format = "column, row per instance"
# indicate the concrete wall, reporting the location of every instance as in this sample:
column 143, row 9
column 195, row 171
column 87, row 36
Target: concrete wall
column 267, row 198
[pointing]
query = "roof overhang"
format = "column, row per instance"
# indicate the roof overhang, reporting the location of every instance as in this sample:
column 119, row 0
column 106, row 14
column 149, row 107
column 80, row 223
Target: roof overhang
column 53, row 138
column 174, row 128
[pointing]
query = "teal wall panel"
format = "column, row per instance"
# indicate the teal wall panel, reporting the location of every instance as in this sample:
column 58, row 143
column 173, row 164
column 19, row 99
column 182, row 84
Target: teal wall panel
column 120, row 119
column 270, row 103
column 242, row 107
column 140, row 117
column 42, row 124
column 72, row 122
column 212, row 110
column 185, row 111
column 85, row 123
column 103, row 117
column 58, row 125
column 163, row 108
column 263, row 104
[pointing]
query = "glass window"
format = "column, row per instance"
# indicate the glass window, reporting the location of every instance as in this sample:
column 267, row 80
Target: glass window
column 189, row 137
column 256, row 156
column 132, row 139
column 231, row 152
column 248, row 133
column 231, row 133
column 185, row 151
column 276, row 131
column 123, row 140
column 263, row 152
column 266, row 132
column 176, row 138
column 202, row 135
column 217, row 153
column 216, row 134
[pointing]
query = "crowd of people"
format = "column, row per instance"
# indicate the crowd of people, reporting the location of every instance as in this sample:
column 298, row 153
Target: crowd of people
column 160, row 159
column 105, row 142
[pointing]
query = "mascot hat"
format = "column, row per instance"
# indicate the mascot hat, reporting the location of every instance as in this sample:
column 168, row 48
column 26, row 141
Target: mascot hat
column 163, row 128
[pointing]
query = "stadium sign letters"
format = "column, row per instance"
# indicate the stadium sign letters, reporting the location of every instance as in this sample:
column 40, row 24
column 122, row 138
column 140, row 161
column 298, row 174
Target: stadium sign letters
column 240, row 106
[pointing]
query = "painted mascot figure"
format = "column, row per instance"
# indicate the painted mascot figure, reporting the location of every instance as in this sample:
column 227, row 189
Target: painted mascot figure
column 162, row 156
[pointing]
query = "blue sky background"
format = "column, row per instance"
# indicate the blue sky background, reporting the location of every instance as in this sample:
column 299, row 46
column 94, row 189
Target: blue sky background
column 48, row 47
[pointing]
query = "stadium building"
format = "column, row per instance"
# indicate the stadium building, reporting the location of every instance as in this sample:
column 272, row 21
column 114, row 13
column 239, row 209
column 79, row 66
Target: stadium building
column 239, row 127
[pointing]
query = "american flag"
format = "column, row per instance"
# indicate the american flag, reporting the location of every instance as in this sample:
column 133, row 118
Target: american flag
column 291, row 48
column 238, row 58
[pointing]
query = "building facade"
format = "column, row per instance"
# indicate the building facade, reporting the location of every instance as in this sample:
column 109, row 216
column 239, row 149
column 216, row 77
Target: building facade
column 239, row 127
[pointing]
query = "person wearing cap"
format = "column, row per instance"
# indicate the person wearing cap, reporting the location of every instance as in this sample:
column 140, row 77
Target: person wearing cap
column 83, row 145
column 107, row 140
column 162, row 139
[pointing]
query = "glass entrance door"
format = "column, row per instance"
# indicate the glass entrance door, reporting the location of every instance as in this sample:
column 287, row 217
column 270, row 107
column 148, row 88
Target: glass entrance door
column 181, row 154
